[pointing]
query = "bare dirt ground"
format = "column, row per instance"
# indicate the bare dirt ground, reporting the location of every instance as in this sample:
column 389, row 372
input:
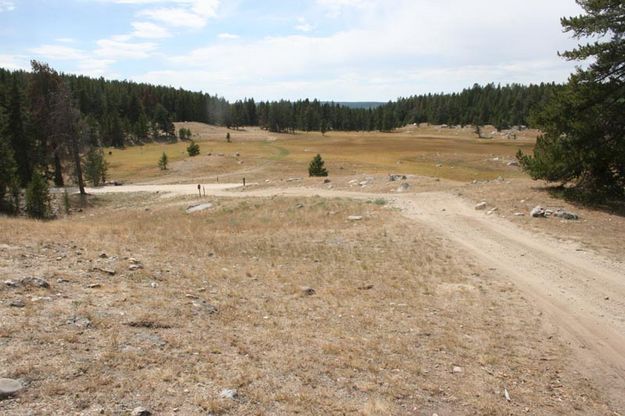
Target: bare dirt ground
column 420, row 304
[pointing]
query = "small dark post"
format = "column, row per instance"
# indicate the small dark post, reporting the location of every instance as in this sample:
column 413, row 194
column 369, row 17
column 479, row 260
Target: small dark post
column 199, row 191
column 243, row 182
column 217, row 179
column 204, row 190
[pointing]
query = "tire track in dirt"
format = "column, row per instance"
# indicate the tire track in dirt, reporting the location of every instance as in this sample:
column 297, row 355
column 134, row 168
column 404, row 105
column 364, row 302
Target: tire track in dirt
column 580, row 293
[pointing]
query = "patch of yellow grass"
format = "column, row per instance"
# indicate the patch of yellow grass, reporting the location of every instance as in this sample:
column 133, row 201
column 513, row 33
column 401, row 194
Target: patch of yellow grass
column 424, row 152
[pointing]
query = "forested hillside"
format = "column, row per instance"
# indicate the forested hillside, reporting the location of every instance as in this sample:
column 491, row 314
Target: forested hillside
column 124, row 112
column 52, row 123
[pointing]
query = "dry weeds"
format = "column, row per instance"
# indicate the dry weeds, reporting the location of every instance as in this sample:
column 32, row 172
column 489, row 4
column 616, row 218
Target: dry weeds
column 395, row 309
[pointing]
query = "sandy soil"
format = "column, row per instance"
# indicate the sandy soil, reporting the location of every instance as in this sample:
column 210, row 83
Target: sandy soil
column 580, row 292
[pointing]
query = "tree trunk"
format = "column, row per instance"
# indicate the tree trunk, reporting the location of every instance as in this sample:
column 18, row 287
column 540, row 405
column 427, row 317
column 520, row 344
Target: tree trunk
column 58, row 170
column 78, row 167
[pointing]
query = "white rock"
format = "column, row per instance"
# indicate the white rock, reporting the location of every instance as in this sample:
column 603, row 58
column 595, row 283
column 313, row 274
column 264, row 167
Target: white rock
column 140, row 411
column 457, row 370
column 481, row 206
column 198, row 207
column 355, row 217
column 9, row 387
column 403, row 187
column 537, row 212
column 229, row 394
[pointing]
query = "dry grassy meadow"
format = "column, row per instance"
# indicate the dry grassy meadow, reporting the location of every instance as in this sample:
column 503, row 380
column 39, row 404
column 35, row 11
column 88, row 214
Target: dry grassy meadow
column 283, row 300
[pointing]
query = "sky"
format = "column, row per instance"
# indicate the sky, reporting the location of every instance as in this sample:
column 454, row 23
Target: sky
column 340, row 50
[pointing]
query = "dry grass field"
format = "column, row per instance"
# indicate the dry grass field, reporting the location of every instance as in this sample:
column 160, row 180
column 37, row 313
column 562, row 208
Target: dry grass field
column 428, row 151
column 282, row 305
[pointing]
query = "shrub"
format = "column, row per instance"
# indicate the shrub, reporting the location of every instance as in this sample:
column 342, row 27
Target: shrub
column 316, row 167
column 184, row 134
column 193, row 149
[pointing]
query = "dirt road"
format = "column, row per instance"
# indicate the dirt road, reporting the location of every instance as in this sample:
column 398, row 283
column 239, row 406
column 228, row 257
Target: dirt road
column 581, row 293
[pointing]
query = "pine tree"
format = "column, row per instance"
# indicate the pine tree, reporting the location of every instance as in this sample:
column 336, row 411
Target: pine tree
column 584, row 124
column 16, row 131
column 37, row 197
column 193, row 149
column 162, row 162
column 95, row 166
column 316, row 167
column 8, row 170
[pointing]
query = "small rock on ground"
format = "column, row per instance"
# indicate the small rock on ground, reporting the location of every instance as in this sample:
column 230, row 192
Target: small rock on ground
column 538, row 212
column 355, row 217
column 481, row 206
column 9, row 387
column 229, row 394
column 140, row 411
column 566, row 215
column 35, row 281
column 204, row 306
column 198, row 207
column 17, row 303
column 308, row 291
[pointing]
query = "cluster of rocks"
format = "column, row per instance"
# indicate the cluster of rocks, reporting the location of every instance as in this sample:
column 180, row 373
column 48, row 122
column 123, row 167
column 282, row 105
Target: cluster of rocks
column 363, row 183
column 134, row 264
column 540, row 212
column 536, row 212
column 28, row 281
column 482, row 207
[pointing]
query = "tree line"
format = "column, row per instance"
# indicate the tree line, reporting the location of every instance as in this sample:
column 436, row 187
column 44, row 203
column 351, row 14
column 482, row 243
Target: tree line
column 501, row 106
column 55, row 124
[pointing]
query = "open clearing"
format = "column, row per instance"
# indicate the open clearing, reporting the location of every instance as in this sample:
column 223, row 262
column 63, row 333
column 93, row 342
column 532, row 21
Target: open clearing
column 417, row 305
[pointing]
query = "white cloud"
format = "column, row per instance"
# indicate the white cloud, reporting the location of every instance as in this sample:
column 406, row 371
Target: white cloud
column 14, row 62
column 149, row 30
column 95, row 67
column 114, row 49
column 6, row 6
column 415, row 46
column 65, row 40
column 303, row 25
column 227, row 36
column 334, row 8
column 192, row 14
column 58, row 52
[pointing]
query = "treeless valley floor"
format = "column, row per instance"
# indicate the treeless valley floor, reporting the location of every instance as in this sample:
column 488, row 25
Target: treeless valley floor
column 402, row 318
